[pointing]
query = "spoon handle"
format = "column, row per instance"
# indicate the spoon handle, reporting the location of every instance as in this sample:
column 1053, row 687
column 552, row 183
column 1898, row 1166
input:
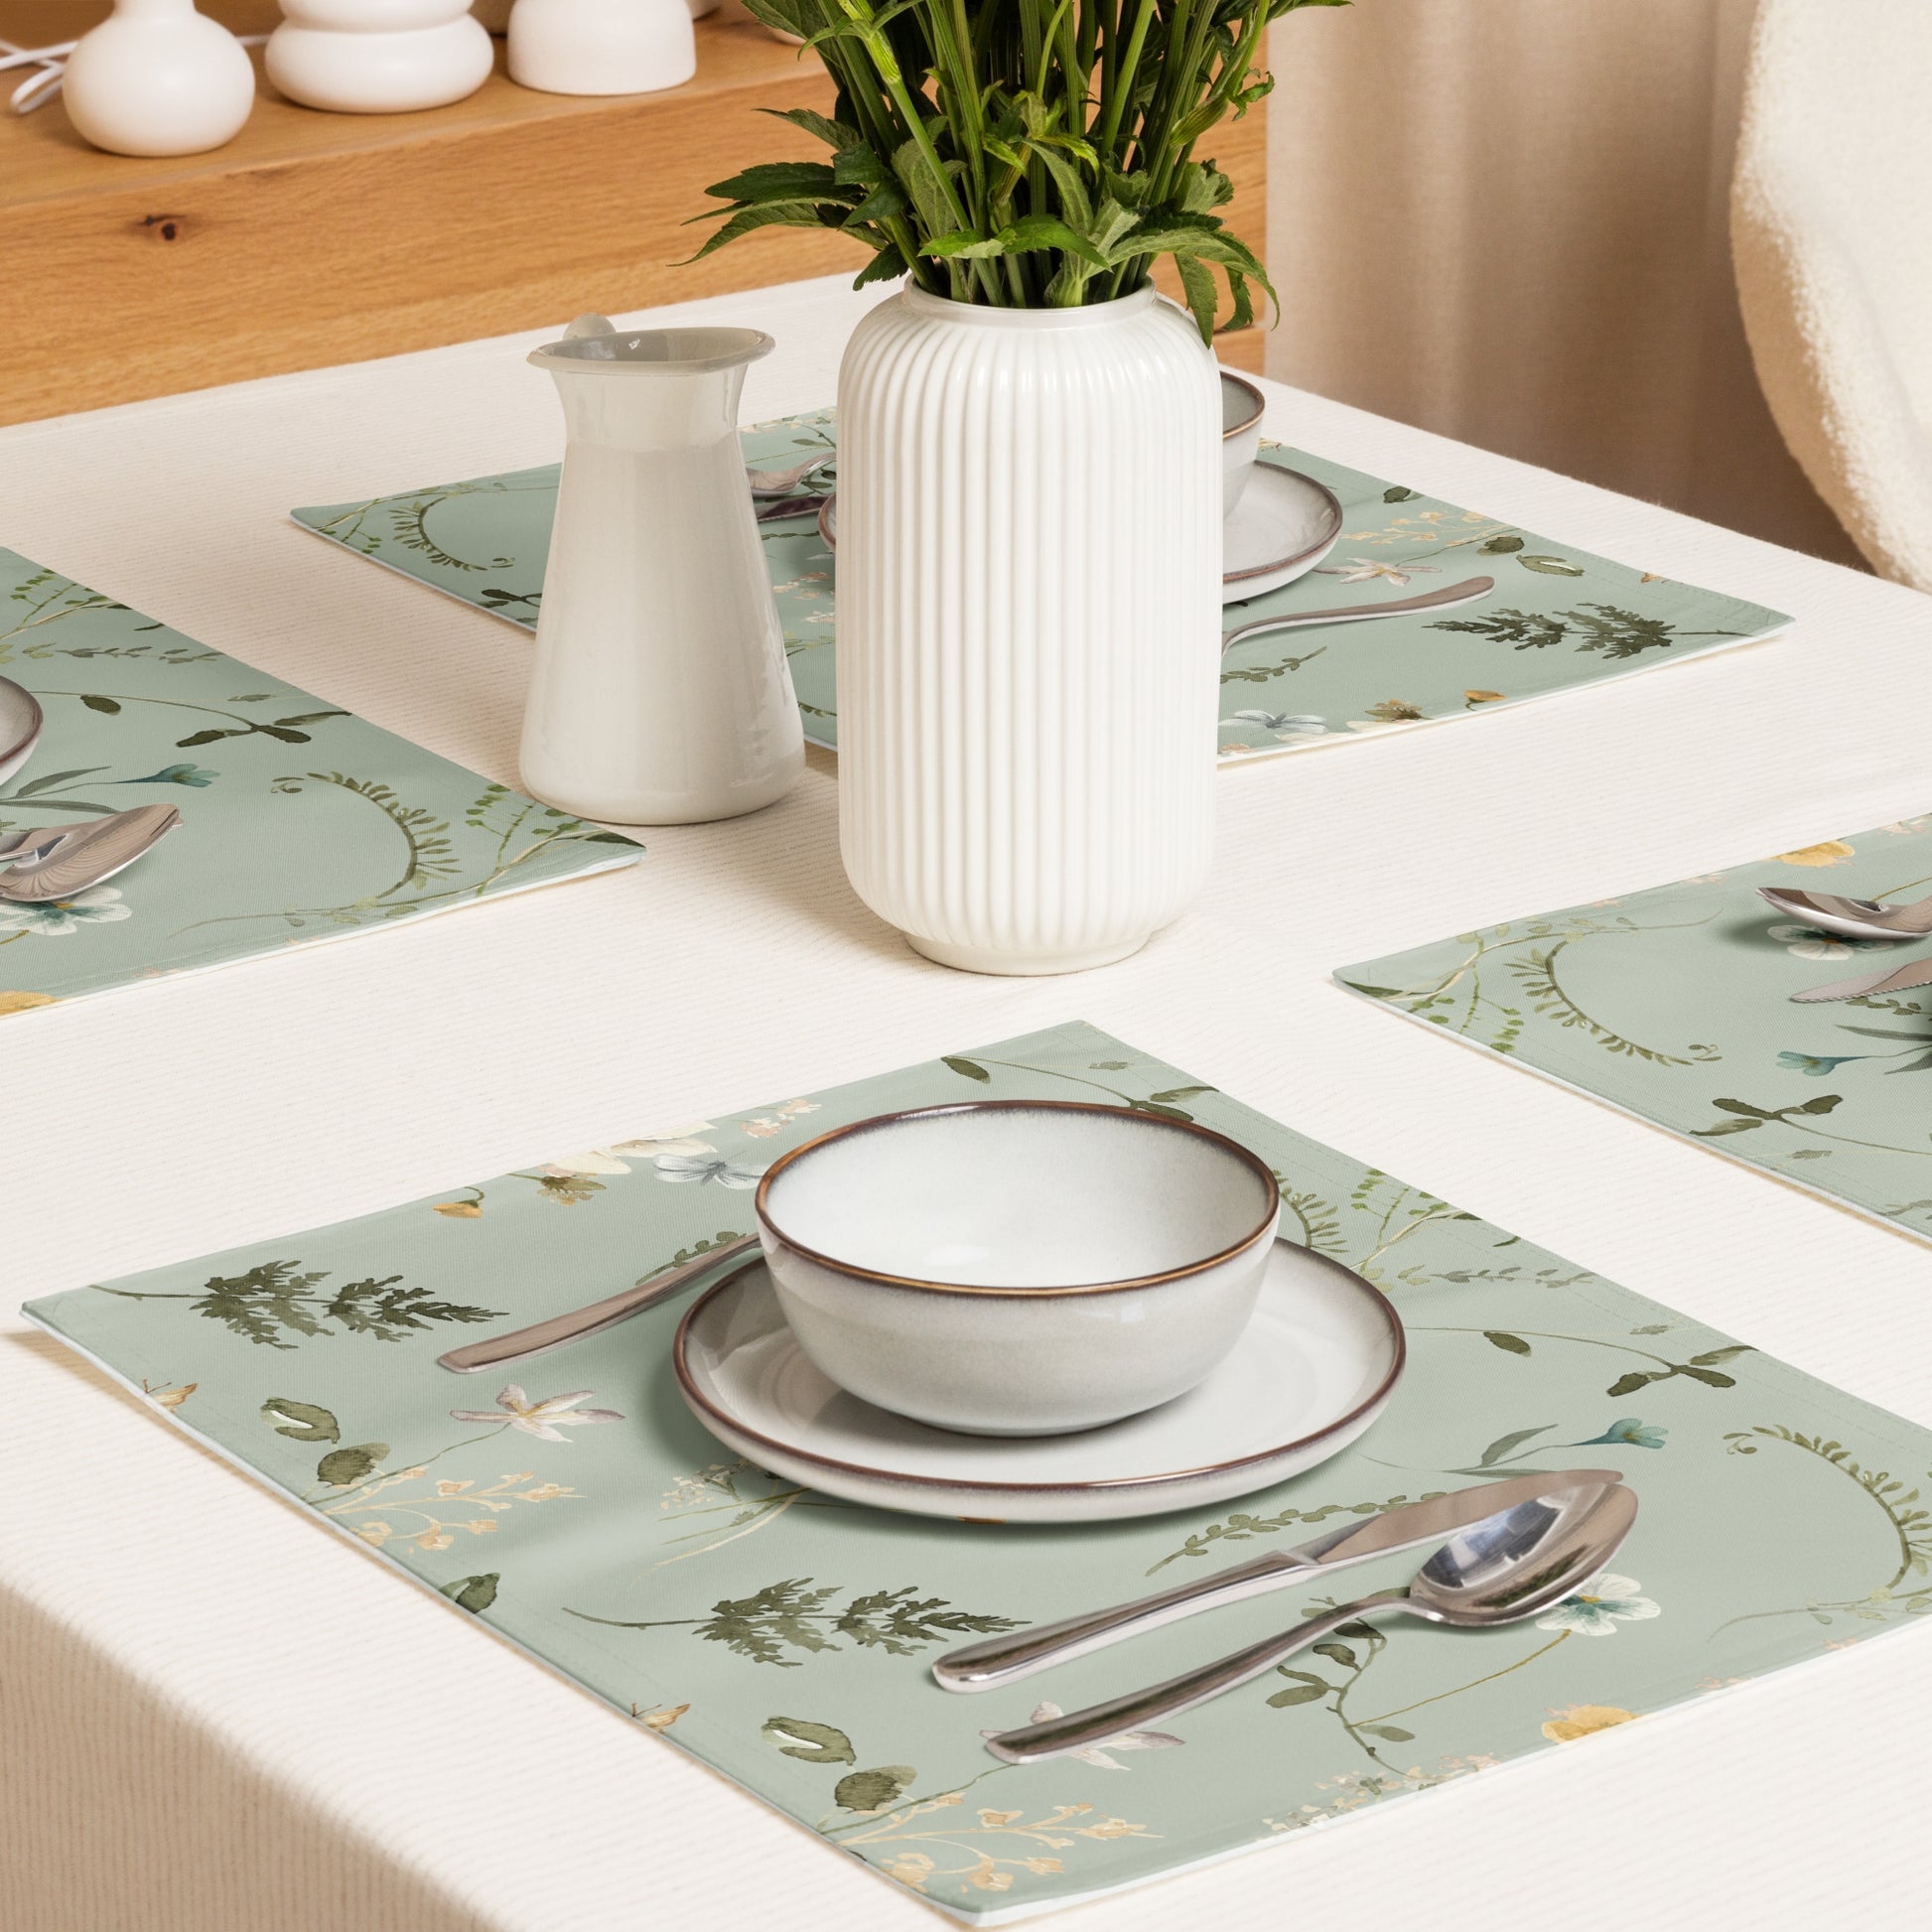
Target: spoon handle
column 607, row 1313
column 1465, row 592
column 1083, row 1730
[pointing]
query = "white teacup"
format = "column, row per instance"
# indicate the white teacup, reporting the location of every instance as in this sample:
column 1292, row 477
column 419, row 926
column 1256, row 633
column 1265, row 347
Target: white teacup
column 1242, row 408
column 1017, row 1268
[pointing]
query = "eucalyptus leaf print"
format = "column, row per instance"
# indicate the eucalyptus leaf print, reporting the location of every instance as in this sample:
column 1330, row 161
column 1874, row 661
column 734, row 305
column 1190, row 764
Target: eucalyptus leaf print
column 584, row 1517
column 299, row 821
column 486, row 541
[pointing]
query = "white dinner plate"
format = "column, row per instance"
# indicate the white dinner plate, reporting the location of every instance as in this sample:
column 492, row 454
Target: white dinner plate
column 1313, row 1370
column 20, row 726
column 1282, row 527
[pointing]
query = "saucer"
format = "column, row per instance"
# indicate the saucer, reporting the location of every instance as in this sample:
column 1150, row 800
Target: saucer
column 20, row 726
column 1313, row 1370
column 1284, row 525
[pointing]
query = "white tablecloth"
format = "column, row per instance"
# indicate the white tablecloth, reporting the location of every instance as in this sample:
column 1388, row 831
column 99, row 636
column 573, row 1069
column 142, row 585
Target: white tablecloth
column 217, row 1720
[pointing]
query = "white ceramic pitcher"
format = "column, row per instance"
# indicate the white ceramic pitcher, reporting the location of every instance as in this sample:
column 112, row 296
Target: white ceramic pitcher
column 661, row 695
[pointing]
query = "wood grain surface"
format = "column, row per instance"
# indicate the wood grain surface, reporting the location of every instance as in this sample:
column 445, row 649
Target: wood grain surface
column 318, row 239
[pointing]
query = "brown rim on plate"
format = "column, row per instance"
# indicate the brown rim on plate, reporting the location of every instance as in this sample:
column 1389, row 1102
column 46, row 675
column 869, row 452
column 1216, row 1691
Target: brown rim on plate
column 1254, row 396
column 36, row 718
column 1330, row 534
column 704, row 1407
column 1248, row 1158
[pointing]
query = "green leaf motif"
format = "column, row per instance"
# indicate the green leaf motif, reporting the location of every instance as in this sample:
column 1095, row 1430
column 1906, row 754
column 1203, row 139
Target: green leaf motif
column 302, row 1420
column 1395, row 494
column 873, row 1790
column 96, row 702
column 1550, row 566
column 1394, row 1733
column 1508, row 1343
column 473, row 1593
column 1299, row 1693
column 815, row 1743
column 1336, row 1653
column 344, row 1468
column 969, row 1069
column 1500, row 546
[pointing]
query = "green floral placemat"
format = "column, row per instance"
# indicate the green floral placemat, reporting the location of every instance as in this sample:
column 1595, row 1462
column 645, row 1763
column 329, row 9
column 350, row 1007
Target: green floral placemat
column 1675, row 1005
column 300, row 822
column 1557, row 619
column 783, row 1637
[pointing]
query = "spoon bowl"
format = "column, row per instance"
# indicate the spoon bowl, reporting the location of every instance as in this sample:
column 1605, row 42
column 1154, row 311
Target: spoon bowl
column 1507, row 1566
column 786, row 482
column 1851, row 918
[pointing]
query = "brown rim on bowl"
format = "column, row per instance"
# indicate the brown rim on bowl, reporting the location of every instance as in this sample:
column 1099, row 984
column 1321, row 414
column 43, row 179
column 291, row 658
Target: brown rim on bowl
column 1253, row 1161
column 1254, row 396
column 1383, row 1307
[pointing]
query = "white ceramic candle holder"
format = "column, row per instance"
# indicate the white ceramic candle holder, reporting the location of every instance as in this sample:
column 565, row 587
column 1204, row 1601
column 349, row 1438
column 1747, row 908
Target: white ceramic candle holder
column 158, row 78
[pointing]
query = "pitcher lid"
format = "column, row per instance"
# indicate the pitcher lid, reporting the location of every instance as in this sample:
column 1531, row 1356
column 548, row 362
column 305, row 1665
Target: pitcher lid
column 592, row 343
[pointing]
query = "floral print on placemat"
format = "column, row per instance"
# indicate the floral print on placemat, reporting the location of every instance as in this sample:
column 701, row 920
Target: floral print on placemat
column 1559, row 618
column 783, row 1636
column 1675, row 1004
column 300, row 822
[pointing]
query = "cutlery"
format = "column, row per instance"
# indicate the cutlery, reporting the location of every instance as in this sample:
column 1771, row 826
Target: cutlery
column 784, row 483
column 1465, row 592
column 1895, row 979
column 35, row 844
column 495, row 1350
column 83, row 855
column 783, row 506
column 1001, row 1660
column 1505, row 1568
column 1854, row 918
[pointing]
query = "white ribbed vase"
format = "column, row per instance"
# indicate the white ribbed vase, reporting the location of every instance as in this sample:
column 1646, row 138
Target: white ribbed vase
column 1029, row 626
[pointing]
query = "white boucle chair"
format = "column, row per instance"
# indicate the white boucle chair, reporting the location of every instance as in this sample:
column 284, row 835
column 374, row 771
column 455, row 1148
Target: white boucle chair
column 1830, row 223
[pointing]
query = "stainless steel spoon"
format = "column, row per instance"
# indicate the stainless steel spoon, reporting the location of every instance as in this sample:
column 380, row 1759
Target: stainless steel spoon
column 1501, row 1570
column 996, row 1661
column 1465, row 592
column 1851, row 918
column 607, row 1313
column 83, row 856
column 784, row 483
column 1891, row 979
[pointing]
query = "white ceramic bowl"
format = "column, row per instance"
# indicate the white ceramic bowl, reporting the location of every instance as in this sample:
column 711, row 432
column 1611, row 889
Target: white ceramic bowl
column 1017, row 1267
column 1242, row 408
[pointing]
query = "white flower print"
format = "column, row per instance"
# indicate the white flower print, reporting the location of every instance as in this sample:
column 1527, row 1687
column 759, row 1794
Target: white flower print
column 1596, row 1611
column 1287, row 724
column 540, row 1419
column 57, row 918
column 1806, row 943
column 696, row 1168
column 617, row 1157
column 1363, row 570
column 1133, row 1741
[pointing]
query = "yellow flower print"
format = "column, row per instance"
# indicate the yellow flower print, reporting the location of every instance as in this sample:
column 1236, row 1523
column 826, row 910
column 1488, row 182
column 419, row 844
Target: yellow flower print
column 1482, row 697
column 1831, row 852
column 23, row 1002
column 659, row 1719
column 1581, row 1720
column 458, row 1210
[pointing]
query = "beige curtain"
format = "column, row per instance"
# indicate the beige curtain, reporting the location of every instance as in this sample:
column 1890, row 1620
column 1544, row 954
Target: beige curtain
column 1505, row 220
